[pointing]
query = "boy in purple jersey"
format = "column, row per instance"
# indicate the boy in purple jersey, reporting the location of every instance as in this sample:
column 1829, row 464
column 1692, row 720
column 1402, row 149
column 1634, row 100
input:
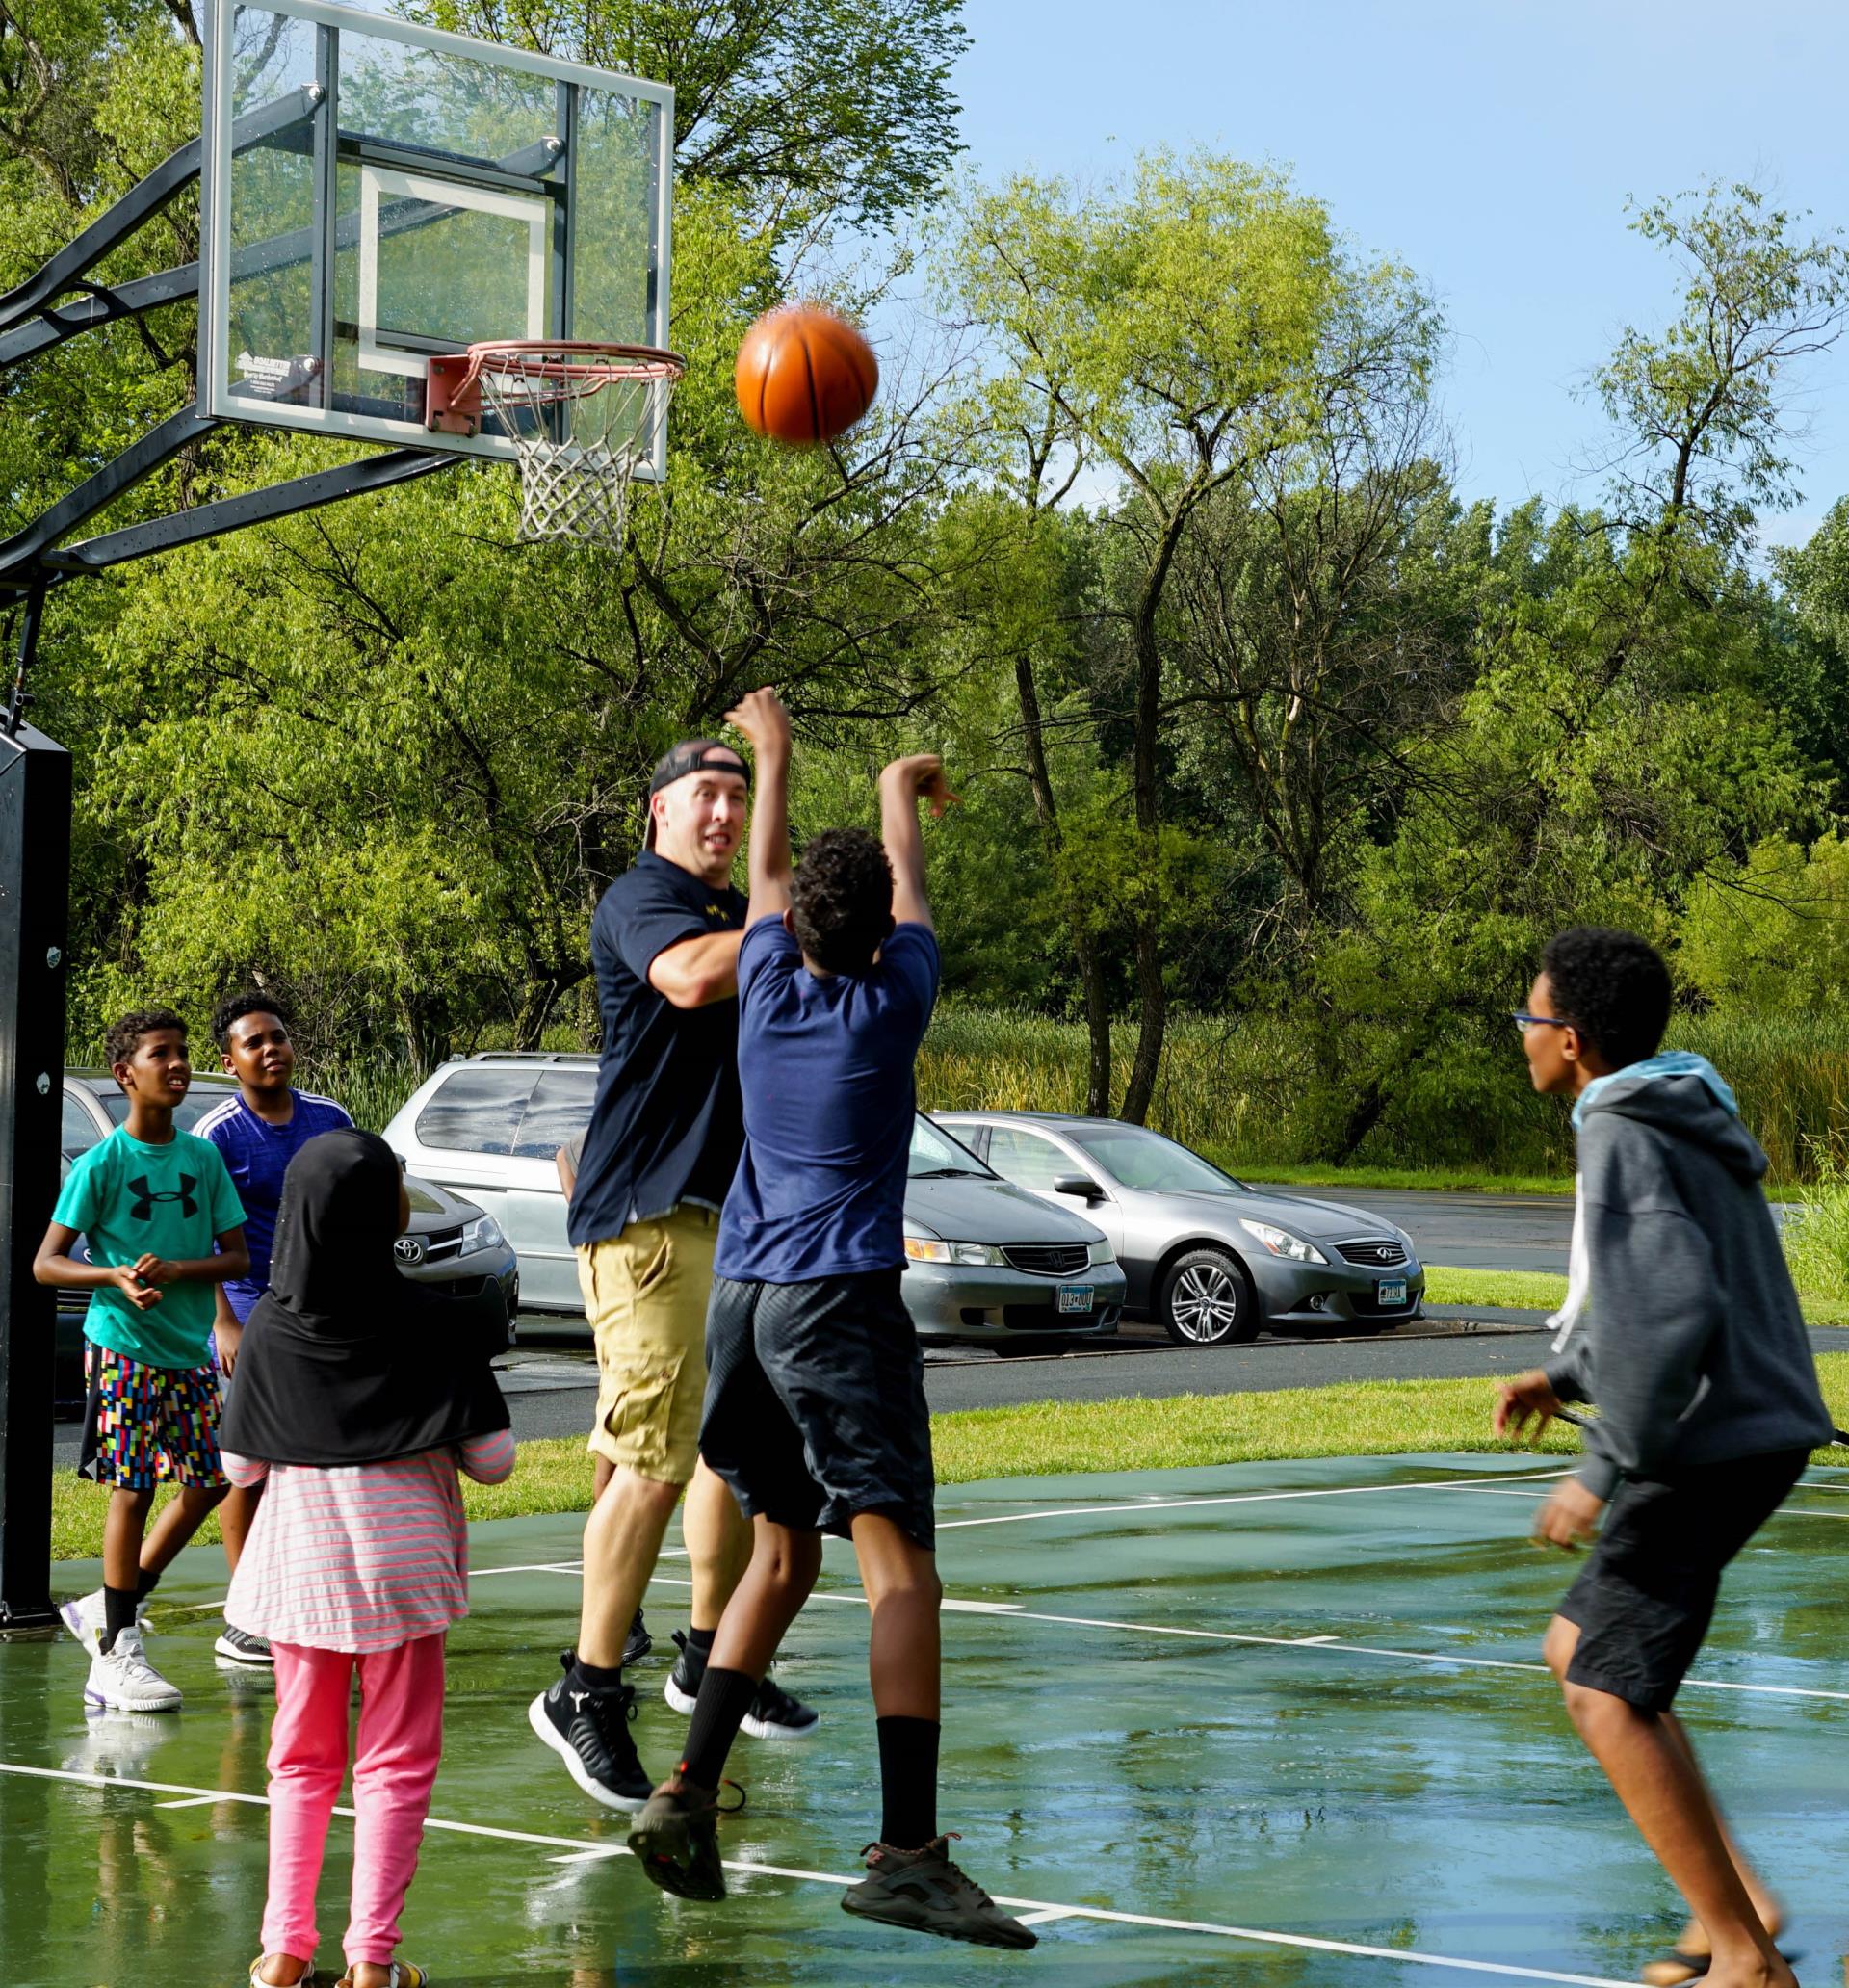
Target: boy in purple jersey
column 257, row 1134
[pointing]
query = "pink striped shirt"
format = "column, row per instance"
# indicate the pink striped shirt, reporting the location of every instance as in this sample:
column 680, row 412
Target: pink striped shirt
column 361, row 1558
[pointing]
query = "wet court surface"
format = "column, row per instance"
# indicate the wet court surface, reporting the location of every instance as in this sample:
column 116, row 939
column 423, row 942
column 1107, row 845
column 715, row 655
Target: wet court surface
column 1280, row 1723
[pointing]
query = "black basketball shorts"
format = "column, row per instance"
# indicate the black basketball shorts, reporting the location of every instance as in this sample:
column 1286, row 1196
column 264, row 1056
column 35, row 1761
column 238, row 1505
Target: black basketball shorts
column 814, row 1403
column 1645, row 1598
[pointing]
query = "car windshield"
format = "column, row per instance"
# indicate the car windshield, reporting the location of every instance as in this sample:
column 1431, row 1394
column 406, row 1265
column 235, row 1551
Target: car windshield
column 187, row 1113
column 1139, row 1158
column 937, row 1156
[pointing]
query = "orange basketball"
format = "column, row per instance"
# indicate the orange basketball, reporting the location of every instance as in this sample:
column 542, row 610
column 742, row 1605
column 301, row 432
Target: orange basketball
column 804, row 375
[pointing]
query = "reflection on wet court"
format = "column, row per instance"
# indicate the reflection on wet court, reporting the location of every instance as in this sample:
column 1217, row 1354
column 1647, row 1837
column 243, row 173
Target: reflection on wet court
column 1285, row 1722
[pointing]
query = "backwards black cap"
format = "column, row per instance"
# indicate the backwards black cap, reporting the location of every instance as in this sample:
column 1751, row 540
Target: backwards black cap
column 691, row 756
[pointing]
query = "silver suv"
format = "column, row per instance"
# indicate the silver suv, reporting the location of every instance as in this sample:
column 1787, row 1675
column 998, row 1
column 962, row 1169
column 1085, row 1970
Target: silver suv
column 987, row 1265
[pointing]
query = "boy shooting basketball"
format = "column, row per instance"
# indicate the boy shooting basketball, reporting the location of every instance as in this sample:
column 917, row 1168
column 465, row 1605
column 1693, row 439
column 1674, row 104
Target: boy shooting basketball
column 815, row 1409
column 1683, row 1325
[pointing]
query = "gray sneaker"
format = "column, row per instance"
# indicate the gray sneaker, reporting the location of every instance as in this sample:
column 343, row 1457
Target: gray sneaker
column 676, row 1836
column 239, row 1646
column 925, row 1893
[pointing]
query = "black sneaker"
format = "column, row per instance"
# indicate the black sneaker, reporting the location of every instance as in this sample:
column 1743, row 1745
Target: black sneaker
column 240, row 1646
column 776, row 1715
column 639, row 1642
column 676, row 1837
column 588, row 1730
column 683, row 1684
column 925, row 1893
column 773, row 1715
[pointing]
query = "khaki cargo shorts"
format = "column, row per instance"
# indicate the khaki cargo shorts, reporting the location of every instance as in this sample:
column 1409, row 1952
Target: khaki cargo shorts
column 646, row 1295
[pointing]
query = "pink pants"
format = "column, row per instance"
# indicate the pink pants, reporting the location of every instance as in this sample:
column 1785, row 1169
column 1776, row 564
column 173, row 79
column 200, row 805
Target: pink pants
column 401, row 1738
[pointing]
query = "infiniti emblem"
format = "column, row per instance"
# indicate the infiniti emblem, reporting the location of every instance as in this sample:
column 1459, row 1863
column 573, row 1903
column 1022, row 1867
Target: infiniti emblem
column 409, row 1249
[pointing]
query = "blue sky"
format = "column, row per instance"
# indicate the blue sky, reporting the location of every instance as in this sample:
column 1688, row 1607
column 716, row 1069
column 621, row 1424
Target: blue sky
column 1491, row 147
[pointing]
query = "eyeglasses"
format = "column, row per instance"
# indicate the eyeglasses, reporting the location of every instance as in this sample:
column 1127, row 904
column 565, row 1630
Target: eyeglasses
column 1524, row 1022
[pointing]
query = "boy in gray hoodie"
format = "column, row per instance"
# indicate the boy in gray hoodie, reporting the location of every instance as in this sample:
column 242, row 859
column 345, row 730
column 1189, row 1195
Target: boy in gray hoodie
column 1682, row 1325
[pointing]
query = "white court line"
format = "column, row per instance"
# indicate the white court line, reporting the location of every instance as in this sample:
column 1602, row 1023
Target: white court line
column 1310, row 1642
column 1042, row 1909
column 1784, row 1512
column 1133, row 1510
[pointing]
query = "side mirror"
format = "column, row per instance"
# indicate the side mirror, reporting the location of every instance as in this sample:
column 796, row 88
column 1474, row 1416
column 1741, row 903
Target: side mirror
column 1081, row 1183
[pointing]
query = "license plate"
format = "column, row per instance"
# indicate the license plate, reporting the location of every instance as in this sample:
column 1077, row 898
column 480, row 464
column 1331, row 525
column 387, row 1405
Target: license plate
column 1390, row 1292
column 1076, row 1297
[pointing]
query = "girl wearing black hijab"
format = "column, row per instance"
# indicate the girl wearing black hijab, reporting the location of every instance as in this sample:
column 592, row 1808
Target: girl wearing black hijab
column 359, row 1395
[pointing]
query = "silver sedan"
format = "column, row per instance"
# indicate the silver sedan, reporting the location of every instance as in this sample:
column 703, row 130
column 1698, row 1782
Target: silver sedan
column 1210, row 1258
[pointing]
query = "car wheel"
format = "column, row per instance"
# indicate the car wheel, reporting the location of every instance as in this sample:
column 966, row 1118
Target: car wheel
column 1206, row 1300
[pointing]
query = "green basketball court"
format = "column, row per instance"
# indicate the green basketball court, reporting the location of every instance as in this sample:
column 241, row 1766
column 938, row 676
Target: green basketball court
column 1282, row 1721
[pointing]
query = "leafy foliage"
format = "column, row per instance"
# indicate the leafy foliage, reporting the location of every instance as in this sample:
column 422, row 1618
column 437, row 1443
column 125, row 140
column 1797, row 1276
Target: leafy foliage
column 1279, row 762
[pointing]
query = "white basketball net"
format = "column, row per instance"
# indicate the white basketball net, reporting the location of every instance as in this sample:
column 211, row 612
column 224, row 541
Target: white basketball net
column 584, row 419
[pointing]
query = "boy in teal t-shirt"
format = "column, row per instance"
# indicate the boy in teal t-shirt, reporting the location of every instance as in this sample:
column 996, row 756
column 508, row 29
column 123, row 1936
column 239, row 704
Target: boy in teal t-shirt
column 164, row 1225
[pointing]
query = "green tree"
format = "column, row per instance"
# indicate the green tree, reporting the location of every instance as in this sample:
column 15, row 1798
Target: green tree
column 804, row 107
column 1168, row 329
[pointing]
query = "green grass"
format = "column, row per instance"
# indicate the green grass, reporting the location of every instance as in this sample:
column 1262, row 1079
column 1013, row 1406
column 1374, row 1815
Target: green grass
column 1419, row 1180
column 1515, row 1290
column 1376, row 1418
column 1542, row 1292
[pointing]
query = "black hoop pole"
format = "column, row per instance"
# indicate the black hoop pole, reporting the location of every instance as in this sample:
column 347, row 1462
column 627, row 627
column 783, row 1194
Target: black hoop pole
column 34, row 908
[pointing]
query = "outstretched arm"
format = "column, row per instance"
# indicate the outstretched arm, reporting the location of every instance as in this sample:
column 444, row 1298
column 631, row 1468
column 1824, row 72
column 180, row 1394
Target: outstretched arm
column 766, row 724
column 900, row 787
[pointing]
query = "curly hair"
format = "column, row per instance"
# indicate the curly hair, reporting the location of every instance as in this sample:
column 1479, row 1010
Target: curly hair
column 124, row 1036
column 234, row 1007
column 841, row 900
column 1613, row 986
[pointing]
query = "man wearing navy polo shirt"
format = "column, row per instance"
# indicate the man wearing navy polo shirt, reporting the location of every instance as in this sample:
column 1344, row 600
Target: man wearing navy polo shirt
column 664, row 1142
column 257, row 1131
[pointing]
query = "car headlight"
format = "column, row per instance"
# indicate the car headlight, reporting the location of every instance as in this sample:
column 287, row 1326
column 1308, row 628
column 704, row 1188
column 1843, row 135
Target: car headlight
column 934, row 1250
column 483, row 1233
column 1281, row 1242
column 1102, row 1253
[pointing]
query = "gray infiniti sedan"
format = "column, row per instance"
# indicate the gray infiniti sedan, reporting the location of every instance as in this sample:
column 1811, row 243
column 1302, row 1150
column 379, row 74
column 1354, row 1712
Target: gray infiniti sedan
column 987, row 1264
column 1210, row 1258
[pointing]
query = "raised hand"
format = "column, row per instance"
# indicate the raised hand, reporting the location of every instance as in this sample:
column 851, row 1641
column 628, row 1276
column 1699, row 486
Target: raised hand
column 923, row 775
column 766, row 724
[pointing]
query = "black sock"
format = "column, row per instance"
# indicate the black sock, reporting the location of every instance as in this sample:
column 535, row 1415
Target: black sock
column 700, row 1639
column 908, row 1781
column 148, row 1584
column 118, row 1614
column 718, row 1712
column 596, row 1677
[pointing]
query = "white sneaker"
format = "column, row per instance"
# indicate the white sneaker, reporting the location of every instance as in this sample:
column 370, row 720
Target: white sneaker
column 125, row 1680
column 87, row 1617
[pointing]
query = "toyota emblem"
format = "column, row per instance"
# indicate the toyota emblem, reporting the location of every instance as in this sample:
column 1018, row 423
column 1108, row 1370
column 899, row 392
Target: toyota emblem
column 409, row 1249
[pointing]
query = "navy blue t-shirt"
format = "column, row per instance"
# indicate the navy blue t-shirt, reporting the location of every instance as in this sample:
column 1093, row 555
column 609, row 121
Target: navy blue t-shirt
column 826, row 1063
column 257, row 1154
column 666, row 1125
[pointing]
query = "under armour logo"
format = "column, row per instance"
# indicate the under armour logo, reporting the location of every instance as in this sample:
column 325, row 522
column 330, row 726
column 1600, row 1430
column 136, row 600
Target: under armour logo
column 142, row 1206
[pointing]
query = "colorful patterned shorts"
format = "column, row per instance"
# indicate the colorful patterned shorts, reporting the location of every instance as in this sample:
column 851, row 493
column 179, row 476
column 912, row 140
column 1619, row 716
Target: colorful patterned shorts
column 147, row 1426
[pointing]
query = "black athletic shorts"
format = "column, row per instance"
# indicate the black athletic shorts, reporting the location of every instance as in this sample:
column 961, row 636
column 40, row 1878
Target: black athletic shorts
column 1646, row 1595
column 814, row 1403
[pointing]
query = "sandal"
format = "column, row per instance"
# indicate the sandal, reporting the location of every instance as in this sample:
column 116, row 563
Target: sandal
column 306, row 1979
column 401, row 1974
column 1677, row 1967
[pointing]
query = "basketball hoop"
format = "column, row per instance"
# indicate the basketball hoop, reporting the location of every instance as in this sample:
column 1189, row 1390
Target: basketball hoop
column 584, row 417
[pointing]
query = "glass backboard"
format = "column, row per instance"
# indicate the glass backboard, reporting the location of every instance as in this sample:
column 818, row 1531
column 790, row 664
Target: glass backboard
column 376, row 192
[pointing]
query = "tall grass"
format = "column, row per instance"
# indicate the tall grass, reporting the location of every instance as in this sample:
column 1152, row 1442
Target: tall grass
column 1250, row 1090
